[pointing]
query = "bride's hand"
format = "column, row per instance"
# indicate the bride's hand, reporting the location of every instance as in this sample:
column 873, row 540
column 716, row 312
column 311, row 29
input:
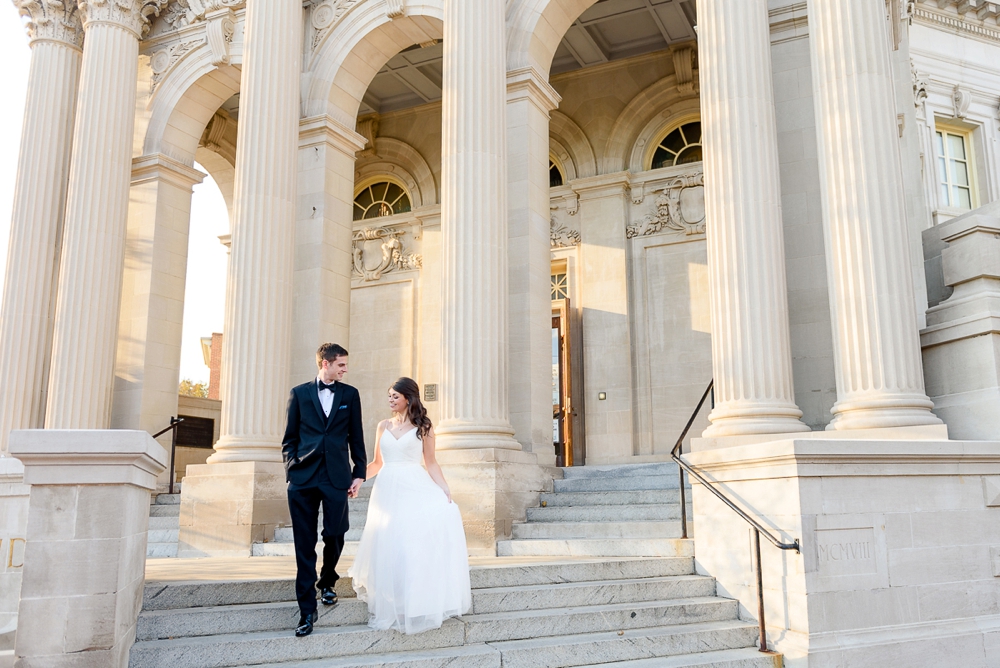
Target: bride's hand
column 447, row 492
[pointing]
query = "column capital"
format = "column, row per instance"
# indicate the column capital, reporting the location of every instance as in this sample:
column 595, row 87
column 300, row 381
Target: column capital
column 160, row 167
column 529, row 83
column 132, row 15
column 328, row 130
column 52, row 21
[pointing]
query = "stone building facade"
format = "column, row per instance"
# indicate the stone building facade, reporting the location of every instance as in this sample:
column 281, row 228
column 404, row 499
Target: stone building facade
column 563, row 218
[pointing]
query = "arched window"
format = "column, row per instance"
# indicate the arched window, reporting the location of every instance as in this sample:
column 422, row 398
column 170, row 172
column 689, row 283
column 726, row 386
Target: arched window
column 681, row 146
column 555, row 174
column 383, row 198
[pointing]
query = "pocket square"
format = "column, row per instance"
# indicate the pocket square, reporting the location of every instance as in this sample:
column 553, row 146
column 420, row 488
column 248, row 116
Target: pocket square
column 343, row 407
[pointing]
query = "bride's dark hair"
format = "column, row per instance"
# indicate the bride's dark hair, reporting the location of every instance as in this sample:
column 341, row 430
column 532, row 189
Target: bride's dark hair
column 415, row 410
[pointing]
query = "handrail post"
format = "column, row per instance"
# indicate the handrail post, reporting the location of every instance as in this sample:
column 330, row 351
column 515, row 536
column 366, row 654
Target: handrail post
column 173, row 452
column 760, row 591
column 684, row 514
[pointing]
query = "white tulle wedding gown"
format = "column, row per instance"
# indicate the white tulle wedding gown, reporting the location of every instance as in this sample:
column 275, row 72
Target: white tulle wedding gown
column 412, row 565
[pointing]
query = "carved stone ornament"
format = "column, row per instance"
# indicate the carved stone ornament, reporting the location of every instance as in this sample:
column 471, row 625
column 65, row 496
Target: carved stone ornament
column 561, row 236
column 162, row 61
column 181, row 13
column 920, row 85
column 394, row 9
column 56, row 20
column 368, row 128
column 392, row 254
column 962, row 99
column 134, row 15
column 325, row 15
column 680, row 206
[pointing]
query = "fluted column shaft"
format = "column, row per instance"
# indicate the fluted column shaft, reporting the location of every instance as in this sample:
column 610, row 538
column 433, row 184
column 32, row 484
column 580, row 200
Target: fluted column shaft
column 751, row 353
column 36, row 229
column 474, row 404
column 258, row 326
column 877, row 351
column 90, row 278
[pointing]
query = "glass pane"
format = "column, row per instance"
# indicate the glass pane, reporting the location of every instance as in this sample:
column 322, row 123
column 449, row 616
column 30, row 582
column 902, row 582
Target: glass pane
column 688, row 155
column 674, row 141
column 392, row 193
column 940, row 143
column 662, row 159
column 555, row 176
column 959, row 173
column 945, row 195
column 942, row 171
column 379, row 191
column 693, row 132
column 403, row 205
column 364, row 198
column 963, row 197
column 956, row 146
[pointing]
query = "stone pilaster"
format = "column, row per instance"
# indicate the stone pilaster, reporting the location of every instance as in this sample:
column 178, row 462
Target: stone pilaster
column 258, row 327
column 474, row 404
column 90, row 275
column 751, row 353
column 877, row 351
column 530, row 99
column 152, row 310
column 56, row 37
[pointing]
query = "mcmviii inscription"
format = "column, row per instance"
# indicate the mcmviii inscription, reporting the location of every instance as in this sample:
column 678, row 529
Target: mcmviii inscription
column 846, row 551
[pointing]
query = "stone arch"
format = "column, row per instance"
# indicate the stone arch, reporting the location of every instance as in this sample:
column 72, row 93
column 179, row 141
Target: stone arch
column 564, row 132
column 535, row 28
column 222, row 171
column 185, row 102
column 655, row 130
column 399, row 159
column 350, row 53
column 647, row 111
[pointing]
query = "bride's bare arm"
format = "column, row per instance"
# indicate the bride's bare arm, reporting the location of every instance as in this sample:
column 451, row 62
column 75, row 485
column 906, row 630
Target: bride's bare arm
column 433, row 468
column 376, row 464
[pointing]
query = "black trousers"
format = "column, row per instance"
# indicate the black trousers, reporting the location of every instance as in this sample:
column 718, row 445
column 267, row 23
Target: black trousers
column 303, row 506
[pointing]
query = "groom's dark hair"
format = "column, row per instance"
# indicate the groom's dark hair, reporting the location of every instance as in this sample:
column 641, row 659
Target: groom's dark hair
column 329, row 352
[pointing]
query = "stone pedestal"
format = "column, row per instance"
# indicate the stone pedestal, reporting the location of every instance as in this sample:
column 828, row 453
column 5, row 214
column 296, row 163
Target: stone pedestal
column 492, row 487
column 85, row 555
column 226, row 508
column 900, row 553
column 961, row 344
column 13, row 524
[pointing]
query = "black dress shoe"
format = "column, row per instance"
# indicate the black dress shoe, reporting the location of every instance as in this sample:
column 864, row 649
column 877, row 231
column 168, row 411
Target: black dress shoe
column 328, row 596
column 305, row 626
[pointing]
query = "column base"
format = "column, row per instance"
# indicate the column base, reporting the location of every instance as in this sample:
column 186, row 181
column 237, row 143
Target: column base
column 226, row 508
column 883, row 413
column 13, row 526
column 462, row 435
column 732, row 419
column 230, row 450
column 493, row 487
column 883, row 526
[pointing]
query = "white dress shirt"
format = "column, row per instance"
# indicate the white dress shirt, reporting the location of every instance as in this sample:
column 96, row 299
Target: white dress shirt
column 325, row 397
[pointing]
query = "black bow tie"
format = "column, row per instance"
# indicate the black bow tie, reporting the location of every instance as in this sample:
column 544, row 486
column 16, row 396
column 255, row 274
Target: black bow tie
column 324, row 386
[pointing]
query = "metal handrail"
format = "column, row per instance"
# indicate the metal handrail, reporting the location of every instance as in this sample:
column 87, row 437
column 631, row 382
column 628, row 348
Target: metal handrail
column 174, row 422
column 758, row 528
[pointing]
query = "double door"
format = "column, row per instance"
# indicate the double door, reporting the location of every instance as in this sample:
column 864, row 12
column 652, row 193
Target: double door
column 562, row 400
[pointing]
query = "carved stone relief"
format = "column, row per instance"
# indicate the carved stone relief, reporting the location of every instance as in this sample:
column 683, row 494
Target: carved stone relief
column 134, row 15
column 680, row 206
column 181, row 13
column 162, row 61
column 389, row 254
column 325, row 15
column 57, row 20
column 561, row 236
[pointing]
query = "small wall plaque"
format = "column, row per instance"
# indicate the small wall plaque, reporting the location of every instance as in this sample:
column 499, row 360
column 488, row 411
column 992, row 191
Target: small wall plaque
column 430, row 392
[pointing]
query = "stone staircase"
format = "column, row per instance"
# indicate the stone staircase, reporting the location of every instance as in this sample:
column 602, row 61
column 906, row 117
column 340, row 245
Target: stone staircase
column 601, row 511
column 164, row 525
column 541, row 613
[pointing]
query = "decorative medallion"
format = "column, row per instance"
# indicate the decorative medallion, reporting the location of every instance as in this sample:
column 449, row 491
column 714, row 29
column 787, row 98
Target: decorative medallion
column 391, row 256
column 680, row 206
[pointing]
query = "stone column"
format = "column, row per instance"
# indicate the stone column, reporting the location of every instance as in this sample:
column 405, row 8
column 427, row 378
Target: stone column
column 85, row 556
column 491, row 478
column 751, row 353
column 325, row 229
column 152, row 309
column 879, row 376
column 238, row 498
column 530, row 98
column 56, row 36
column 474, row 338
column 258, row 326
column 90, row 276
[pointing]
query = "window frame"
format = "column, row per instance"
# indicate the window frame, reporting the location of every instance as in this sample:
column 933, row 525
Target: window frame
column 373, row 180
column 948, row 126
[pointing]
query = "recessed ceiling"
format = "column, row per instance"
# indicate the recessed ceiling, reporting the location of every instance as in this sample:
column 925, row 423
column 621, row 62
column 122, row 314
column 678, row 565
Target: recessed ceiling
column 609, row 30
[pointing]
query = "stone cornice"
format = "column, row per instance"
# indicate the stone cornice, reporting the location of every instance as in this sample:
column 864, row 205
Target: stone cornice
column 975, row 18
column 52, row 20
column 529, row 83
column 327, row 130
column 132, row 15
column 160, row 167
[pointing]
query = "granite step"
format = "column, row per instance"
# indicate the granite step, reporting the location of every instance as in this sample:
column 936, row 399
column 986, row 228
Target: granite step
column 287, row 548
column 640, row 513
column 173, row 510
column 615, row 484
column 181, row 595
column 160, row 523
column 729, row 658
column 162, row 536
column 618, row 499
column 166, row 499
column 595, row 530
column 654, row 643
column 620, row 470
column 161, row 550
column 469, row 656
column 606, row 547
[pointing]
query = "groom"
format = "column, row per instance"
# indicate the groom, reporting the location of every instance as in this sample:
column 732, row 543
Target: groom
column 324, row 425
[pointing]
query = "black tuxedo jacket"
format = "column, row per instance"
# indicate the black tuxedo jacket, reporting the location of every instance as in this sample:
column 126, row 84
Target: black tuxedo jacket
column 311, row 438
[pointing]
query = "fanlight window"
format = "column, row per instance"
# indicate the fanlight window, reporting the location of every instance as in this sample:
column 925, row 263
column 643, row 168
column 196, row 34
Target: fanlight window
column 380, row 199
column 680, row 147
column 555, row 174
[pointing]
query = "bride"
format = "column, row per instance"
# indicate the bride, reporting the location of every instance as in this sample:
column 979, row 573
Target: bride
column 412, row 565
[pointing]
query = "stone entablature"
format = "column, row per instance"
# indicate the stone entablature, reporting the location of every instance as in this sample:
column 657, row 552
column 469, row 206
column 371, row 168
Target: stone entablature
column 973, row 18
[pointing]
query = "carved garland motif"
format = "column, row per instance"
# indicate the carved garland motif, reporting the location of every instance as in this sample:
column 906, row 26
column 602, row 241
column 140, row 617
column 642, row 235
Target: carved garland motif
column 672, row 211
column 393, row 256
column 561, row 236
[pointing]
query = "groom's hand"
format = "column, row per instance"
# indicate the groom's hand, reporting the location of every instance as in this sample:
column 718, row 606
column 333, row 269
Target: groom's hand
column 352, row 491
